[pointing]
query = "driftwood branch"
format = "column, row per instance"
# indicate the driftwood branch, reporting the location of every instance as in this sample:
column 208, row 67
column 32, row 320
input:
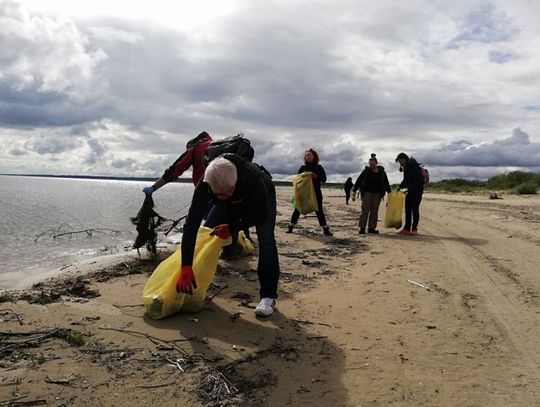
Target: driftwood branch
column 57, row 233
column 303, row 321
column 155, row 340
column 128, row 306
column 14, row 401
column 218, row 290
column 19, row 318
column 257, row 355
column 64, row 382
column 164, row 343
column 174, row 224
column 155, row 386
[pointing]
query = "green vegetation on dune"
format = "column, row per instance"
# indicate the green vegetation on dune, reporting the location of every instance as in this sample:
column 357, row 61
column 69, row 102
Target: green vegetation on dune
column 457, row 185
column 519, row 182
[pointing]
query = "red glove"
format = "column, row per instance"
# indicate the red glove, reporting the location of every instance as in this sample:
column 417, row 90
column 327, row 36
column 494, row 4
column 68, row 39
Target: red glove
column 186, row 281
column 222, row 231
column 313, row 175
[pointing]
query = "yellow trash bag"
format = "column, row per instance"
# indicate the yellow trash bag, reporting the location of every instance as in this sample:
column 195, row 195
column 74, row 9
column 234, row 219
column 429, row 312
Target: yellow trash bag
column 244, row 246
column 394, row 209
column 304, row 193
column 159, row 295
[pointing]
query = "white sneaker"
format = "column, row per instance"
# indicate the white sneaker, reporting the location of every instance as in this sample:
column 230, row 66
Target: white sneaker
column 266, row 307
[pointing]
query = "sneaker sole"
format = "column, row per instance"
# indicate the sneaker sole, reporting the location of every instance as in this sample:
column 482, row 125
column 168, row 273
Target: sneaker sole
column 261, row 314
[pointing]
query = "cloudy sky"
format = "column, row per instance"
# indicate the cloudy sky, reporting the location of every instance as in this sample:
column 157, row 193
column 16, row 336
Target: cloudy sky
column 117, row 88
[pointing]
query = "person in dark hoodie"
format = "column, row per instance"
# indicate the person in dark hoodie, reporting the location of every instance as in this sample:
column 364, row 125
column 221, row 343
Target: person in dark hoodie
column 373, row 185
column 244, row 196
column 318, row 175
column 414, row 184
column 347, row 187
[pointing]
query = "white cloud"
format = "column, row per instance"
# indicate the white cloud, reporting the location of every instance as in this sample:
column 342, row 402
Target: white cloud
column 44, row 54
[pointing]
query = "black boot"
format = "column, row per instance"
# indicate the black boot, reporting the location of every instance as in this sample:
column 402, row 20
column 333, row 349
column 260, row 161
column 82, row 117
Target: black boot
column 362, row 231
column 326, row 231
column 374, row 231
column 290, row 228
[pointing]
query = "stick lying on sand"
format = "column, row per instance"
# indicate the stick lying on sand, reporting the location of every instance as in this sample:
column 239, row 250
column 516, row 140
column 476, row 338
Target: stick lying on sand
column 418, row 284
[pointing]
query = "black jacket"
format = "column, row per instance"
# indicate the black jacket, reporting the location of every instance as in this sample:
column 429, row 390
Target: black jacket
column 348, row 186
column 247, row 207
column 412, row 177
column 370, row 181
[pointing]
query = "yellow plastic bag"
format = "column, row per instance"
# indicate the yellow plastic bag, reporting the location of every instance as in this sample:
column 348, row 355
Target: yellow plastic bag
column 394, row 209
column 244, row 246
column 159, row 295
column 304, row 193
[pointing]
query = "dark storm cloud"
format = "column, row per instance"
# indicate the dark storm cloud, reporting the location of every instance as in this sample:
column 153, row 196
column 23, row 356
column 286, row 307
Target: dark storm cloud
column 127, row 163
column 17, row 151
column 485, row 25
column 514, row 151
column 97, row 149
column 45, row 145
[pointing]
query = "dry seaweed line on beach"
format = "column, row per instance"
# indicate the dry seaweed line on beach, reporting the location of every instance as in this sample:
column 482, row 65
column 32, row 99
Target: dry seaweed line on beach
column 16, row 340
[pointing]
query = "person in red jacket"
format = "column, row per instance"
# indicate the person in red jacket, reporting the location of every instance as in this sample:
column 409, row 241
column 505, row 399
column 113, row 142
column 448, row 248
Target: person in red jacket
column 192, row 157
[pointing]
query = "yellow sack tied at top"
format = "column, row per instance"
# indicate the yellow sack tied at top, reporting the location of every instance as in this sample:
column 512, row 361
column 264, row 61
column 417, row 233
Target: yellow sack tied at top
column 394, row 209
column 244, row 247
column 159, row 295
column 305, row 199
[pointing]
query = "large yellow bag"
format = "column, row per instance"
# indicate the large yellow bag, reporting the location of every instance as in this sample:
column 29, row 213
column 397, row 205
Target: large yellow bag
column 159, row 295
column 394, row 209
column 305, row 199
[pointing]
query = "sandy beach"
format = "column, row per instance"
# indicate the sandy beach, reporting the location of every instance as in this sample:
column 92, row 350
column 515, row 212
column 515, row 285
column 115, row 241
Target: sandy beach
column 446, row 318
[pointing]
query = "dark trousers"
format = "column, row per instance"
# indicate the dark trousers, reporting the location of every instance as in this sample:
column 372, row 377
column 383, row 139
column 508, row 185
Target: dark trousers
column 370, row 210
column 347, row 197
column 268, row 265
column 319, row 212
column 412, row 209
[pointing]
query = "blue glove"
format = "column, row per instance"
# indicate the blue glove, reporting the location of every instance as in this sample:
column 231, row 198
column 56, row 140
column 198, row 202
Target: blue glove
column 149, row 190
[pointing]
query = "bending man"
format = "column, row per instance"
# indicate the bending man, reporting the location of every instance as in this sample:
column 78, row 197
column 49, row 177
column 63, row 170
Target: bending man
column 244, row 196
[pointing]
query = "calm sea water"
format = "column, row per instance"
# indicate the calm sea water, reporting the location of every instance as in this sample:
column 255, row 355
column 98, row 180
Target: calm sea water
column 31, row 206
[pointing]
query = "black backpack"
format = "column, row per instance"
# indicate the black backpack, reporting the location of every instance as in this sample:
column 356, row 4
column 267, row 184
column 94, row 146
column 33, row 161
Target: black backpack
column 236, row 145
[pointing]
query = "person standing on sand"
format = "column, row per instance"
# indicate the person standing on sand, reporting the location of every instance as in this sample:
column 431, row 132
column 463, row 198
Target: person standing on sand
column 244, row 196
column 318, row 175
column 347, row 187
column 373, row 185
column 413, row 182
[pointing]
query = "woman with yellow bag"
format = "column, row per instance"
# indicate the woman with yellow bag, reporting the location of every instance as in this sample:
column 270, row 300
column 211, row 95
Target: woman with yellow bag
column 318, row 175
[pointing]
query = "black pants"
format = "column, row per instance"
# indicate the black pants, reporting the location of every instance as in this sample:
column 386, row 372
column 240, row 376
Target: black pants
column 319, row 212
column 412, row 209
column 347, row 197
column 268, row 264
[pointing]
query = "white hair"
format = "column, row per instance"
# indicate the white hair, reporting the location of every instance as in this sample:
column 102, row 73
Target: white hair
column 221, row 175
